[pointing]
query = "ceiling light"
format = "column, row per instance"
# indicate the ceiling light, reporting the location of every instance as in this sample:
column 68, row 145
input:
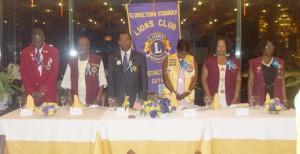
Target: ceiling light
column 263, row 11
column 124, row 22
column 95, row 22
column 35, row 20
column 279, row 5
column 110, row 9
column 199, row 3
column 121, row 19
column 105, row 3
column 184, row 20
column 247, row 4
column 194, row 8
column 181, row 23
column 216, row 20
column 210, row 22
column 91, row 20
column 48, row 10
column 5, row 21
column 235, row 9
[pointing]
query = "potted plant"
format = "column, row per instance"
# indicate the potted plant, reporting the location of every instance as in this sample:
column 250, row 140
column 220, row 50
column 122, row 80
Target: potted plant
column 7, row 89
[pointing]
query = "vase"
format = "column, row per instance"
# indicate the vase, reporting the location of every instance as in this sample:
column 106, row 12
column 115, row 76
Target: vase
column 273, row 111
column 4, row 102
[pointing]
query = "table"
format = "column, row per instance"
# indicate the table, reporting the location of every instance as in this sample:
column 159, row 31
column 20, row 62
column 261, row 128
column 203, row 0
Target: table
column 102, row 131
column 219, row 131
column 61, row 133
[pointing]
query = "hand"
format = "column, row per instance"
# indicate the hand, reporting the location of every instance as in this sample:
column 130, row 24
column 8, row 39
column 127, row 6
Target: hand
column 234, row 100
column 182, row 96
column 178, row 96
column 37, row 96
column 137, row 106
column 96, row 102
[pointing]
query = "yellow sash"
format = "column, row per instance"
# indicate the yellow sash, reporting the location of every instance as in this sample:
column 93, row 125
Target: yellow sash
column 172, row 70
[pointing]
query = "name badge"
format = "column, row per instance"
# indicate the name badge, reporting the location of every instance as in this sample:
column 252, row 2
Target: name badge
column 180, row 80
column 26, row 112
column 121, row 111
column 119, row 62
column 75, row 111
column 189, row 113
column 242, row 111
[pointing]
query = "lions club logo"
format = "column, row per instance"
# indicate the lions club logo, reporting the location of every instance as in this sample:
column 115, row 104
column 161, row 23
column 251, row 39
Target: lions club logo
column 157, row 47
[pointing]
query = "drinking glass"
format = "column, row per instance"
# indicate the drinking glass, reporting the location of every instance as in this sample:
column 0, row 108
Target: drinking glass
column 208, row 101
column 111, row 102
column 257, row 102
column 251, row 101
column 63, row 100
column 20, row 101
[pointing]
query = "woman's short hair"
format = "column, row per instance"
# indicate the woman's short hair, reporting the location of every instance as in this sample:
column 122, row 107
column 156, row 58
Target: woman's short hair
column 214, row 44
column 262, row 45
column 183, row 45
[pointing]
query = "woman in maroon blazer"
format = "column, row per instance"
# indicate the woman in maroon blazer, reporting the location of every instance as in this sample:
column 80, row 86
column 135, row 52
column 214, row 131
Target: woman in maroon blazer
column 221, row 73
column 266, row 75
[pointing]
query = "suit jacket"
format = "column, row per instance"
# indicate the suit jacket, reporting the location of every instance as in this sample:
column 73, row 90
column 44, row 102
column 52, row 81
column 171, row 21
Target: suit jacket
column 131, row 84
column 32, row 80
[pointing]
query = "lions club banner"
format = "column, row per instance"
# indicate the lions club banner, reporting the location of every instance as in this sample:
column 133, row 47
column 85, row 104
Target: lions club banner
column 155, row 31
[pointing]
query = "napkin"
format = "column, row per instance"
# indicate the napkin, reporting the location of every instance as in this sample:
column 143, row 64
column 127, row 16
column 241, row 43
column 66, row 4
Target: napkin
column 29, row 103
column 125, row 103
column 268, row 99
column 216, row 103
column 77, row 103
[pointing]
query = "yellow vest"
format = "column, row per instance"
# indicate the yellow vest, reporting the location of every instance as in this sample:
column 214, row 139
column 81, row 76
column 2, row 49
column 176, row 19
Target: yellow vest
column 173, row 73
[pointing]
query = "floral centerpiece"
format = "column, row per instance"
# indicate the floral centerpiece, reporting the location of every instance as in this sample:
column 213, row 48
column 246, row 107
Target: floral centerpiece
column 49, row 109
column 273, row 106
column 157, row 107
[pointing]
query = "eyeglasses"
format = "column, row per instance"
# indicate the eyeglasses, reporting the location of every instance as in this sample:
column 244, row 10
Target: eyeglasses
column 270, row 47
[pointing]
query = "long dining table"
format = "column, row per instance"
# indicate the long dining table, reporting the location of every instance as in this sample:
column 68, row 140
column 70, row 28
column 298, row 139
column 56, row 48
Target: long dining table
column 102, row 131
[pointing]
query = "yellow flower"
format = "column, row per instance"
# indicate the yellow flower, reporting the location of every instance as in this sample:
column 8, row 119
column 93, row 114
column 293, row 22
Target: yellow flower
column 267, row 107
column 147, row 109
column 157, row 107
column 278, row 107
column 159, row 113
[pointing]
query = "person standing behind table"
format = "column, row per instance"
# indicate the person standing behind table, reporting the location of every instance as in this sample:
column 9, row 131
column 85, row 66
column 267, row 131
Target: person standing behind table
column 180, row 74
column 221, row 73
column 127, row 74
column 85, row 75
column 266, row 75
column 39, row 69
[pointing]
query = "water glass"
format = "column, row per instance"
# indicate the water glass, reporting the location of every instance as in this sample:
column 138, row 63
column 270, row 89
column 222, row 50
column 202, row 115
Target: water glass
column 257, row 103
column 251, row 101
column 208, row 101
column 111, row 103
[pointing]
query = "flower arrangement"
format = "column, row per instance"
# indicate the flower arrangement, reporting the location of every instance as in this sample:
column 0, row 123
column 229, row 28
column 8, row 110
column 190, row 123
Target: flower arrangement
column 49, row 109
column 273, row 105
column 157, row 107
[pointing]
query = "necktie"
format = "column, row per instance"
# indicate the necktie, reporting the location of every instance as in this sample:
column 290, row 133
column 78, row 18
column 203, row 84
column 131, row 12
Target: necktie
column 37, row 57
column 125, row 63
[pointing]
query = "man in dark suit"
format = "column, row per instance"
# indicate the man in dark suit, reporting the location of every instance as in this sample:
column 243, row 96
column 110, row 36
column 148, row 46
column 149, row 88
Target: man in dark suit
column 127, row 74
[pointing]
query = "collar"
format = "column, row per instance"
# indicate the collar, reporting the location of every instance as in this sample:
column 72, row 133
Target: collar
column 128, row 53
column 40, row 50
